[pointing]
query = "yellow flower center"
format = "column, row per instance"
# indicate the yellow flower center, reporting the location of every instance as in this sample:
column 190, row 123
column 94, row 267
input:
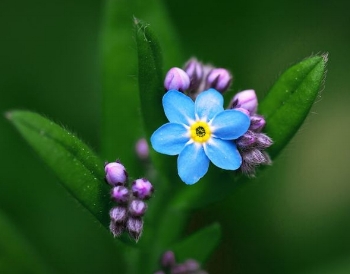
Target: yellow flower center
column 200, row 132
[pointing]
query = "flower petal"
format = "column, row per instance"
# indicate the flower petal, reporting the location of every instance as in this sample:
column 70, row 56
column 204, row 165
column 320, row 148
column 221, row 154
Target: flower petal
column 223, row 153
column 192, row 163
column 178, row 107
column 170, row 139
column 208, row 104
column 230, row 124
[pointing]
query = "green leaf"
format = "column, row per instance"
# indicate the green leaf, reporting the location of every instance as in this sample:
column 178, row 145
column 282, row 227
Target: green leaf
column 77, row 167
column 151, row 89
column 16, row 254
column 150, row 77
column 199, row 245
column 285, row 108
column 290, row 100
column 121, row 121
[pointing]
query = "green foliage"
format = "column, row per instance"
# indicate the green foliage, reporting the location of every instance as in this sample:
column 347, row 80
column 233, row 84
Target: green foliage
column 78, row 168
column 199, row 245
column 16, row 254
column 121, row 118
column 290, row 99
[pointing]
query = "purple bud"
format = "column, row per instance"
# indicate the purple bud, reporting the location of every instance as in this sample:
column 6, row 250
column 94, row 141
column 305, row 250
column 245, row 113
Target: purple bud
column 141, row 148
column 177, row 79
column 118, row 214
column 257, row 123
column 192, row 265
column 116, row 228
column 246, row 112
column 115, row 174
column 179, row 269
column 246, row 99
column 142, row 188
column 194, row 70
column 219, row 79
column 254, row 157
column 263, row 141
column 248, row 139
column 137, row 208
column 159, row 272
column 168, row 259
column 134, row 225
column 120, row 194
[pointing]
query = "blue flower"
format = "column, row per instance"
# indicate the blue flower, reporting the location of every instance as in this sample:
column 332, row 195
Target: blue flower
column 200, row 132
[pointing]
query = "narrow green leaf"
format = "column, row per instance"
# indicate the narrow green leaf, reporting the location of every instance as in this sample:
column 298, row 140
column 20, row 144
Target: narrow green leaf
column 150, row 77
column 151, row 89
column 16, row 254
column 77, row 167
column 199, row 245
column 285, row 108
column 290, row 100
column 121, row 121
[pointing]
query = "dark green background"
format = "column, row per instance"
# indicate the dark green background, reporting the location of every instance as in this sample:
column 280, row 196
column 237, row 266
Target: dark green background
column 294, row 219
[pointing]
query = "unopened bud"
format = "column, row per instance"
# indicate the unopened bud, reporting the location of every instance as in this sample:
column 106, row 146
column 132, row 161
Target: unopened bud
column 141, row 149
column 254, row 157
column 246, row 112
column 179, row 269
column 118, row 214
column 168, row 259
column 257, row 123
column 219, row 79
column 115, row 173
column 120, row 194
column 116, row 228
column 137, row 208
column 142, row 188
column 263, row 141
column 247, row 140
column 177, row 79
column 245, row 99
column 194, row 70
column 191, row 265
column 134, row 225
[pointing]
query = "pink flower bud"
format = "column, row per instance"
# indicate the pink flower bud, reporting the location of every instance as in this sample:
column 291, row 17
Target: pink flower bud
column 257, row 123
column 245, row 99
column 194, row 70
column 116, row 228
column 120, row 194
column 192, row 265
column 118, row 214
column 247, row 140
column 137, row 208
column 219, row 79
column 177, row 79
column 141, row 148
column 246, row 112
column 168, row 259
column 134, row 225
column 115, row 174
column 142, row 188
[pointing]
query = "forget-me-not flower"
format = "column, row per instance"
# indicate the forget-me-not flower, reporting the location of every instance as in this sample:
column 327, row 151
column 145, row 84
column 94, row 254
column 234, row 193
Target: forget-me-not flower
column 200, row 132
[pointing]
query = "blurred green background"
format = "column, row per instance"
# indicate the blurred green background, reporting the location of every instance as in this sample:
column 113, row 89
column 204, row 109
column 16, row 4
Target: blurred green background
column 294, row 219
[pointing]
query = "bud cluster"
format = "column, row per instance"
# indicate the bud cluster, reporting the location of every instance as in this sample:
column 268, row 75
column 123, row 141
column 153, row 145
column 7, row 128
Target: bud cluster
column 169, row 265
column 253, row 143
column 196, row 77
column 130, row 202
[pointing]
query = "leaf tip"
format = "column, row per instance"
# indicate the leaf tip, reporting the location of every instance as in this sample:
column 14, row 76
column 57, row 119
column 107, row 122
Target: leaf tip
column 8, row 115
column 325, row 57
column 136, row 20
